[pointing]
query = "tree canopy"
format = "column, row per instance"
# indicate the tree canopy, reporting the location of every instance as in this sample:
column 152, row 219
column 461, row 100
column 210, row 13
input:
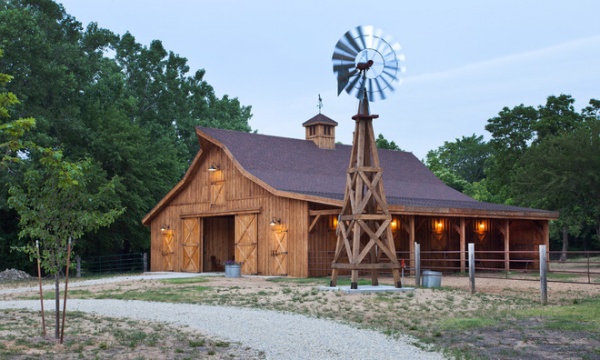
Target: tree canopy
column 383, row 143
column 461, row 162
column 126, row 108
column 545, row 157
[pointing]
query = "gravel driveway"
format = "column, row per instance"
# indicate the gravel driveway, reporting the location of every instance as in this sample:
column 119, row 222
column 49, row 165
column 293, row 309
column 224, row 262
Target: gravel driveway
column 279, row 335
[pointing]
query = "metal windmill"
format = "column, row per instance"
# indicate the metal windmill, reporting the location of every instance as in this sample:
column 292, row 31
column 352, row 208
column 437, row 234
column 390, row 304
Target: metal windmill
column 367, row 64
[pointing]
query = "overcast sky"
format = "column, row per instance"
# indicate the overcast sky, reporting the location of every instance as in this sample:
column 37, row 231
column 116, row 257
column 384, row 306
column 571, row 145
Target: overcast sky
column 465, row 60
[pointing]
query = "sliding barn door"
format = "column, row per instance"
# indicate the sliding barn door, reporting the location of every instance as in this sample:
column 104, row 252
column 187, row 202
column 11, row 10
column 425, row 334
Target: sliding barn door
column 192, row 244
column 246, row 234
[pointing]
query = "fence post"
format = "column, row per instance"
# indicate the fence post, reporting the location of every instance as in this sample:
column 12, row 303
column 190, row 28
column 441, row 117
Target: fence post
column 472, row 267
column 588, row 267
column 417, row 265
column 145, row 262
column 78, row 260
column 543, row 274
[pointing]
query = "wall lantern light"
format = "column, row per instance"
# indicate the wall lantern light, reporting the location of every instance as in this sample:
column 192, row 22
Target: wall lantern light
column 214, row 167
column 275, row 221
column 333, row 224
column 164, row 228
column 437, row 226
column 480, row 228
column 394, row 225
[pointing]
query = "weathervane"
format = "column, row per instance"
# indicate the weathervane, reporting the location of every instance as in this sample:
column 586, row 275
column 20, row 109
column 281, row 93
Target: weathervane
column 367, row 65
column 320, row 105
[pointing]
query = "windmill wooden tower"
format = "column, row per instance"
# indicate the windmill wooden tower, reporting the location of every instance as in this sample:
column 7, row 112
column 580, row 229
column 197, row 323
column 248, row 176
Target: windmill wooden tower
column 367, row 64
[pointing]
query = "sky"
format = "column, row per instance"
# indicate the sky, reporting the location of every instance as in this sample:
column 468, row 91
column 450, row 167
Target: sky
column 465, row 59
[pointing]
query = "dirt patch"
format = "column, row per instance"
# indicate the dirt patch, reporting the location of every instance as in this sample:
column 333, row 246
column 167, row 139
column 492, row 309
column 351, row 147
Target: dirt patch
column 525, row 338
column 93, row 337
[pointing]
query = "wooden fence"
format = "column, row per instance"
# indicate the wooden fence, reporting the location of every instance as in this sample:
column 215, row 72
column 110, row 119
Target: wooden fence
column 580, row 266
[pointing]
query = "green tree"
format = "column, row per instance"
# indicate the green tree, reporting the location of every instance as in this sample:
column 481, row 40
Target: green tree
column 163, row 96
column 556, row 117
column 461, row 162
column 11, row 143
column 11, row 131
column 59, row 201
column 383, row 143
column 444, row 173
column 535, row 161
column 512, row 132
column 563, row 173
column 129, row 108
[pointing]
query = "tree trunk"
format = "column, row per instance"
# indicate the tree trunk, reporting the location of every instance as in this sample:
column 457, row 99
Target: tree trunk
column 565, row 244
column 57, row 301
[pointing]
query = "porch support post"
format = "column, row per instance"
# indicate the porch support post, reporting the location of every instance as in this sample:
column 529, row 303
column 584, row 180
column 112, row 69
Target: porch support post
column 411, row 243
column 546, row 234
column 463, row 240
column 506, row 245
column 546, row 239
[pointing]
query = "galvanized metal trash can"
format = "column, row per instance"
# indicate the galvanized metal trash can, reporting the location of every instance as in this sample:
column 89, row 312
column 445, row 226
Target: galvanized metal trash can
column 431, row 279
column 233, row 270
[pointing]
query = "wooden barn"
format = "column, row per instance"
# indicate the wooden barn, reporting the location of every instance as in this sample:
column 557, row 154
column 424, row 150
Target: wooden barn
column 272, row 203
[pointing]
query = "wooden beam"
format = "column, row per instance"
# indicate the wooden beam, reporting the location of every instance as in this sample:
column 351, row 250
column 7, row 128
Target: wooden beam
column 365, row 266
column 366, row 217
column 324, row 212
column 365, row 169
column 314, row 222
column 255, row 210
column 472, row 213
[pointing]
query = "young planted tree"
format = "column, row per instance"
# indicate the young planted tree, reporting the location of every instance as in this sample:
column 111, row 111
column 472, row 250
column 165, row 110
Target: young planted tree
column 61, row 200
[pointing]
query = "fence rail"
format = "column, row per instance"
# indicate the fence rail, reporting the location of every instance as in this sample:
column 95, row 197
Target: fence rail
column 580, row 266
column 116, row 263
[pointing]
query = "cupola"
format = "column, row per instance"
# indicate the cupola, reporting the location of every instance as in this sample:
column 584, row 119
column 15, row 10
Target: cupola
column 321, row 130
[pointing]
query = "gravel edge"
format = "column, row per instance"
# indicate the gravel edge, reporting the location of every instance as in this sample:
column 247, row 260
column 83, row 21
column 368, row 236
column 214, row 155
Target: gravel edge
column 279, row 335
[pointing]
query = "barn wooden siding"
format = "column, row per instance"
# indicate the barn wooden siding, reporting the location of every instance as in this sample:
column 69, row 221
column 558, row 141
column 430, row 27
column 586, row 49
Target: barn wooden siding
column 214, row 200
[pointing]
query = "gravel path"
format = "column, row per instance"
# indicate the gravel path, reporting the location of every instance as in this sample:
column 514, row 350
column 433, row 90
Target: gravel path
column 74, row 282
column 279, row 335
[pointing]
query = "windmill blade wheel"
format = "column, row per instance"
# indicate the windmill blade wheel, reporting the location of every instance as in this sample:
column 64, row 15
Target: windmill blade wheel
column 366, row 60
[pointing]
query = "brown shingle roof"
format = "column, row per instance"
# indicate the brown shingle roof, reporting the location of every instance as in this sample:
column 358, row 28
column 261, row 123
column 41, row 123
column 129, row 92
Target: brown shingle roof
column 299, row 166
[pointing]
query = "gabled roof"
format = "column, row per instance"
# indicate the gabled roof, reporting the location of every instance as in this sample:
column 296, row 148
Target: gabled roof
column 300, row 169
column 299, row 166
